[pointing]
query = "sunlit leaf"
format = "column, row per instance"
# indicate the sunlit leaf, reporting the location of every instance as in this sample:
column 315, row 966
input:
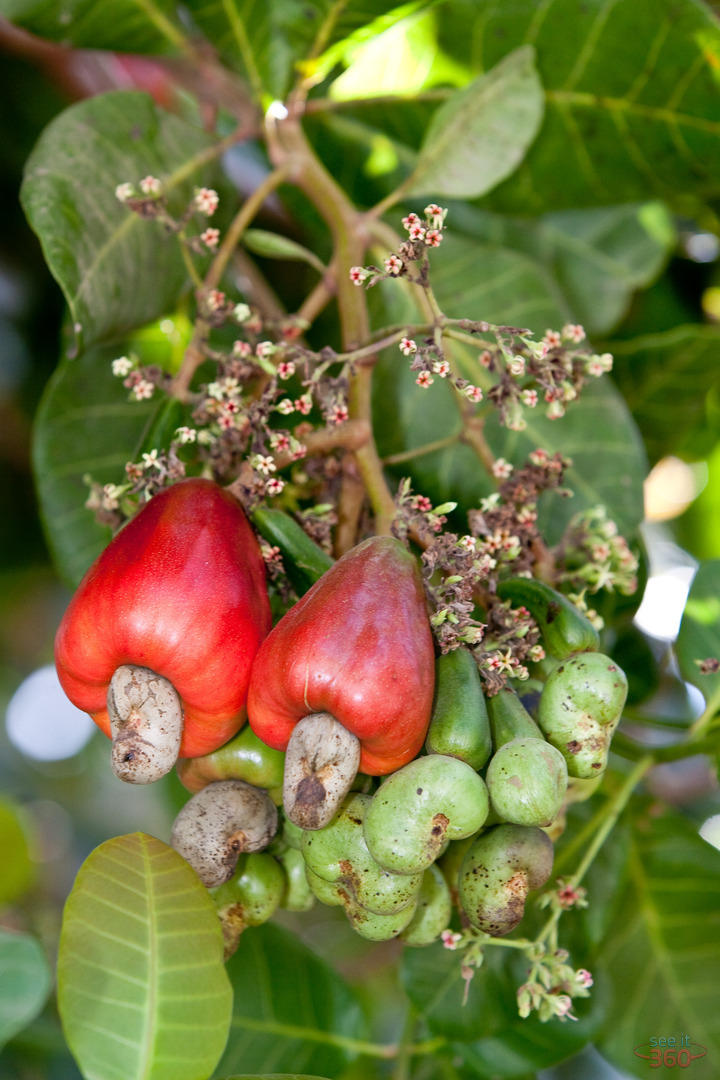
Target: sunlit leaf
column 142, row 989
column 24, row 982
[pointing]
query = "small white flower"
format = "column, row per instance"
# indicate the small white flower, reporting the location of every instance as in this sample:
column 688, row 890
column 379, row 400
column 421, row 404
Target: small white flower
column 473, row 393
column 529, row 398
column 123, row 192
column 516, row 366
column 441, row 368
column 150, row 460
column 393, row 265
column 122, row 366
column 241, row 313
column 274, row 486
column 263, row 464
column 424, row 379
column 502, row 469
column 286, row 406
column 143, row 390
column 574, row 332
column 150, row 185
column 186, row 434
column 358, row 275
column 210, row 238
column 206, row 200
column 265, row 349
column 407, row 346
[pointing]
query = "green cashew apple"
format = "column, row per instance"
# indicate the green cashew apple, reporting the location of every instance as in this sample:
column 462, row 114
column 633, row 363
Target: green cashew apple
column 580, row 707
column 526, row 781
column 459, row 724
column 339, row 855
column 500, row 868
column 422, row 806
column 250, row 897
column 433, row 911
column 298, row 894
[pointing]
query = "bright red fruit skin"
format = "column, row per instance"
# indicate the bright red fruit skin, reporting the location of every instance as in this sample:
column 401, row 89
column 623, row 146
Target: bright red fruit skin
column 180, row 590
column 358, row 645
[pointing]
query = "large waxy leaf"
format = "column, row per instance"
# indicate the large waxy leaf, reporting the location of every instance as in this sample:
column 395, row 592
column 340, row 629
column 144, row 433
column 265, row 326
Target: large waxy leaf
column 85, row 425
column 662, row 955
column 481, row 134
column 699, row 636
column 142, row 26
column 142, row 989
column 681, row 366
column 24, row 982
column 288, row 1006
column 117, row 270
column 631, row 96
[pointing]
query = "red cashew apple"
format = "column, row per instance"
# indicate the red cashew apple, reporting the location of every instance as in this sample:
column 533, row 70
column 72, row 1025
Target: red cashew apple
column 158, row 640
column 345, row 680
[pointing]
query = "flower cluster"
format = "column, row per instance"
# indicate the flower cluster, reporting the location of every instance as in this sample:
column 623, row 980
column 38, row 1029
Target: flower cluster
column 594, row 556
column 148, row 199
column 552, row 986
column 410, row 260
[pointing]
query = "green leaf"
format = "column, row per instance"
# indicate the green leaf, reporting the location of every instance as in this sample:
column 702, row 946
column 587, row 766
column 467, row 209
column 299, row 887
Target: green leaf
column 699, row 636
column 24, row 982
column 117, row 270
column 481, row 134
column 142, row 990
column 680, row 366
column 487, row 1034
column 274, row 1076
column 148, row 26
column 631, row 91
column 662, row 956
column 291, row 1010
column 274, row 246
column 588, row 262
column 18, row 870
column 85, row 424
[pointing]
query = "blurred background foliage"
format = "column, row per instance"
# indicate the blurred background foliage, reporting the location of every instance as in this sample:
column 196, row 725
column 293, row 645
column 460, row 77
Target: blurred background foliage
column 643, row 276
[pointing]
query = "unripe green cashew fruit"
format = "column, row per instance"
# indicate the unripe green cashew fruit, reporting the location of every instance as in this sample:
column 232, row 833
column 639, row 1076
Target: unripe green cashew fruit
column 564, row 629
column 509, row 719
column 580, row 707
column 419, row 808
column 526, row 781
column 298, row 894
column 375, row 927
column 338, row 854
column 459, row 724
column 433, row 911
column 250, row 897
column 500, row 868
column 450, row 862
column 327, row 892
column 244, row 757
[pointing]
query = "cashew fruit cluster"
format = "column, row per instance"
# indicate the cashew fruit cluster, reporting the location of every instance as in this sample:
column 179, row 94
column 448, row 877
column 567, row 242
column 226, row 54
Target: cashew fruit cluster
column 371, row 775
